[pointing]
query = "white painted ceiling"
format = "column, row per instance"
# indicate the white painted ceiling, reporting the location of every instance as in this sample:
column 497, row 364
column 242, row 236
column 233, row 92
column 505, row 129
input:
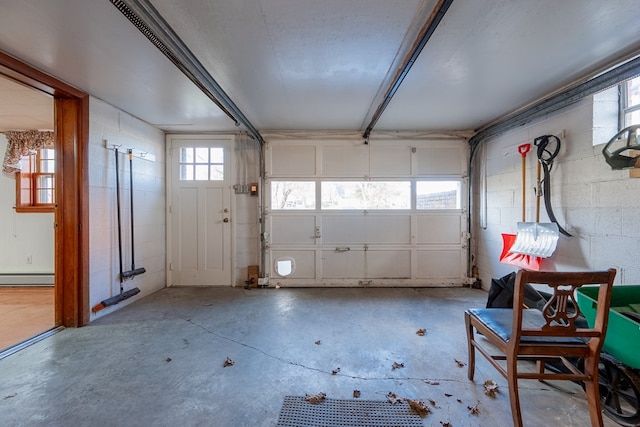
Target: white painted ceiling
column 23, row 108
column 317, row 64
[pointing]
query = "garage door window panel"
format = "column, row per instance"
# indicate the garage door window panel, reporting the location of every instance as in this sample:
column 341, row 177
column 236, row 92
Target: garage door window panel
column 438, row 195
column 293, row 195
column 366, row 195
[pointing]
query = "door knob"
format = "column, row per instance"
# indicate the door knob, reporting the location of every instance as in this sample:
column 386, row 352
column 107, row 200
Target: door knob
column 225, row 220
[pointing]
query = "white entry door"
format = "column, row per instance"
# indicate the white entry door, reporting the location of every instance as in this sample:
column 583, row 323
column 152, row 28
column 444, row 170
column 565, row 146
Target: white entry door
column 199, row 211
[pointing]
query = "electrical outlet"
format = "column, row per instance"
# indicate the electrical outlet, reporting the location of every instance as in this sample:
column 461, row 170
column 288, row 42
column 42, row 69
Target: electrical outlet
column 29, row 259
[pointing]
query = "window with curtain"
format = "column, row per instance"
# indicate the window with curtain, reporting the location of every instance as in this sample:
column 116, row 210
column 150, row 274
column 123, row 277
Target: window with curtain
column 30, row 159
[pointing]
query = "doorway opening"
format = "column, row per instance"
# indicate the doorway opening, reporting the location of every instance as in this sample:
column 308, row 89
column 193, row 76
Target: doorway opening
column 70, row 212
column 27, row 204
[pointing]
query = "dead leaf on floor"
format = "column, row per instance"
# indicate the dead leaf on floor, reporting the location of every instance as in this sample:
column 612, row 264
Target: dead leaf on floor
column 459, row 363
column 335, row 371
column 393, row 398
column 317, row 342
column 10, row 396
column 228, row 362
column 433, row 403
column 421, row 332
column 168, row 359
column 356, row 393
column 277, row 286
column 490, row 388
column 316, row 398
column 419, row 407
column 397, row 365
column 431, row 382
column 459, row 400
column 445, row 424
column 474, row 409
column 448, row 394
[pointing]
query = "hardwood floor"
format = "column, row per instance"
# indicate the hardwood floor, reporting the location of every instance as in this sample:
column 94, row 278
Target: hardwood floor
column 25, row 312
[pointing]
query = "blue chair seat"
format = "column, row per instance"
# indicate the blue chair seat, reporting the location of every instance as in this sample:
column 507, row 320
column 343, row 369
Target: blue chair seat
column 499, row 320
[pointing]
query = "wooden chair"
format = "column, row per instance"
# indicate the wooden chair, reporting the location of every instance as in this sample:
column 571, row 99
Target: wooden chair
column 543, row 336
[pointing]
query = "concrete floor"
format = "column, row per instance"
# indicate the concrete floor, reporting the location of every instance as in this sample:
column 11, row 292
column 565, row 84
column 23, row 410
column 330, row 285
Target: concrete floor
column 160, row 360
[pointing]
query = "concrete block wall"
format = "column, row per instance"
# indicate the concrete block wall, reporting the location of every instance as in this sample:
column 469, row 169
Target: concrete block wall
column 597, row 205
column 109, row 124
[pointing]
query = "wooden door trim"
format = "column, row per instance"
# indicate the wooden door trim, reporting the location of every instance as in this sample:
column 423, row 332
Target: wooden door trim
column 30, row 76
column 71, row 216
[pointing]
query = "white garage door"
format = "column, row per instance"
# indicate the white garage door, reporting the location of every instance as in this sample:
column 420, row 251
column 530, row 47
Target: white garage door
column 387, row 213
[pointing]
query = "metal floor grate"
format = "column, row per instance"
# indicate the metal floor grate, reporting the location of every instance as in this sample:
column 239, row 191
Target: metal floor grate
column 297, row 412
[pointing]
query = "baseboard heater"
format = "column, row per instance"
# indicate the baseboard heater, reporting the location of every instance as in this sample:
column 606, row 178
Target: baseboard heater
column 31, row 279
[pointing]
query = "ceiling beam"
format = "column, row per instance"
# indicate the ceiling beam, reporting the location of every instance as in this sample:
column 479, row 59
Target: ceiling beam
column 426, row 31
column 148, row 20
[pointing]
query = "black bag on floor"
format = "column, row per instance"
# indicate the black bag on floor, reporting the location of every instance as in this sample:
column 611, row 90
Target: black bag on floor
column 501, row 293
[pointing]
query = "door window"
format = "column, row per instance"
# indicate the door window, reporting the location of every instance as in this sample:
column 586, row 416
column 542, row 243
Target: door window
column 201, row 164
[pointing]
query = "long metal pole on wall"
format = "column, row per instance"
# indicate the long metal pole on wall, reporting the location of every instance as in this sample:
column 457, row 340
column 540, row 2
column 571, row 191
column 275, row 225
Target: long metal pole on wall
column 427, row 30
column 557, row 102
column 148, row 20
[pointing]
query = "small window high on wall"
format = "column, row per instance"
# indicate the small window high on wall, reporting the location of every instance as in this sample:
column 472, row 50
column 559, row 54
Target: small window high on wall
column 35, row 183
column 630, row 103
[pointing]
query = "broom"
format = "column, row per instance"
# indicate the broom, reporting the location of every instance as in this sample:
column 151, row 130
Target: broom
column 123, row 295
